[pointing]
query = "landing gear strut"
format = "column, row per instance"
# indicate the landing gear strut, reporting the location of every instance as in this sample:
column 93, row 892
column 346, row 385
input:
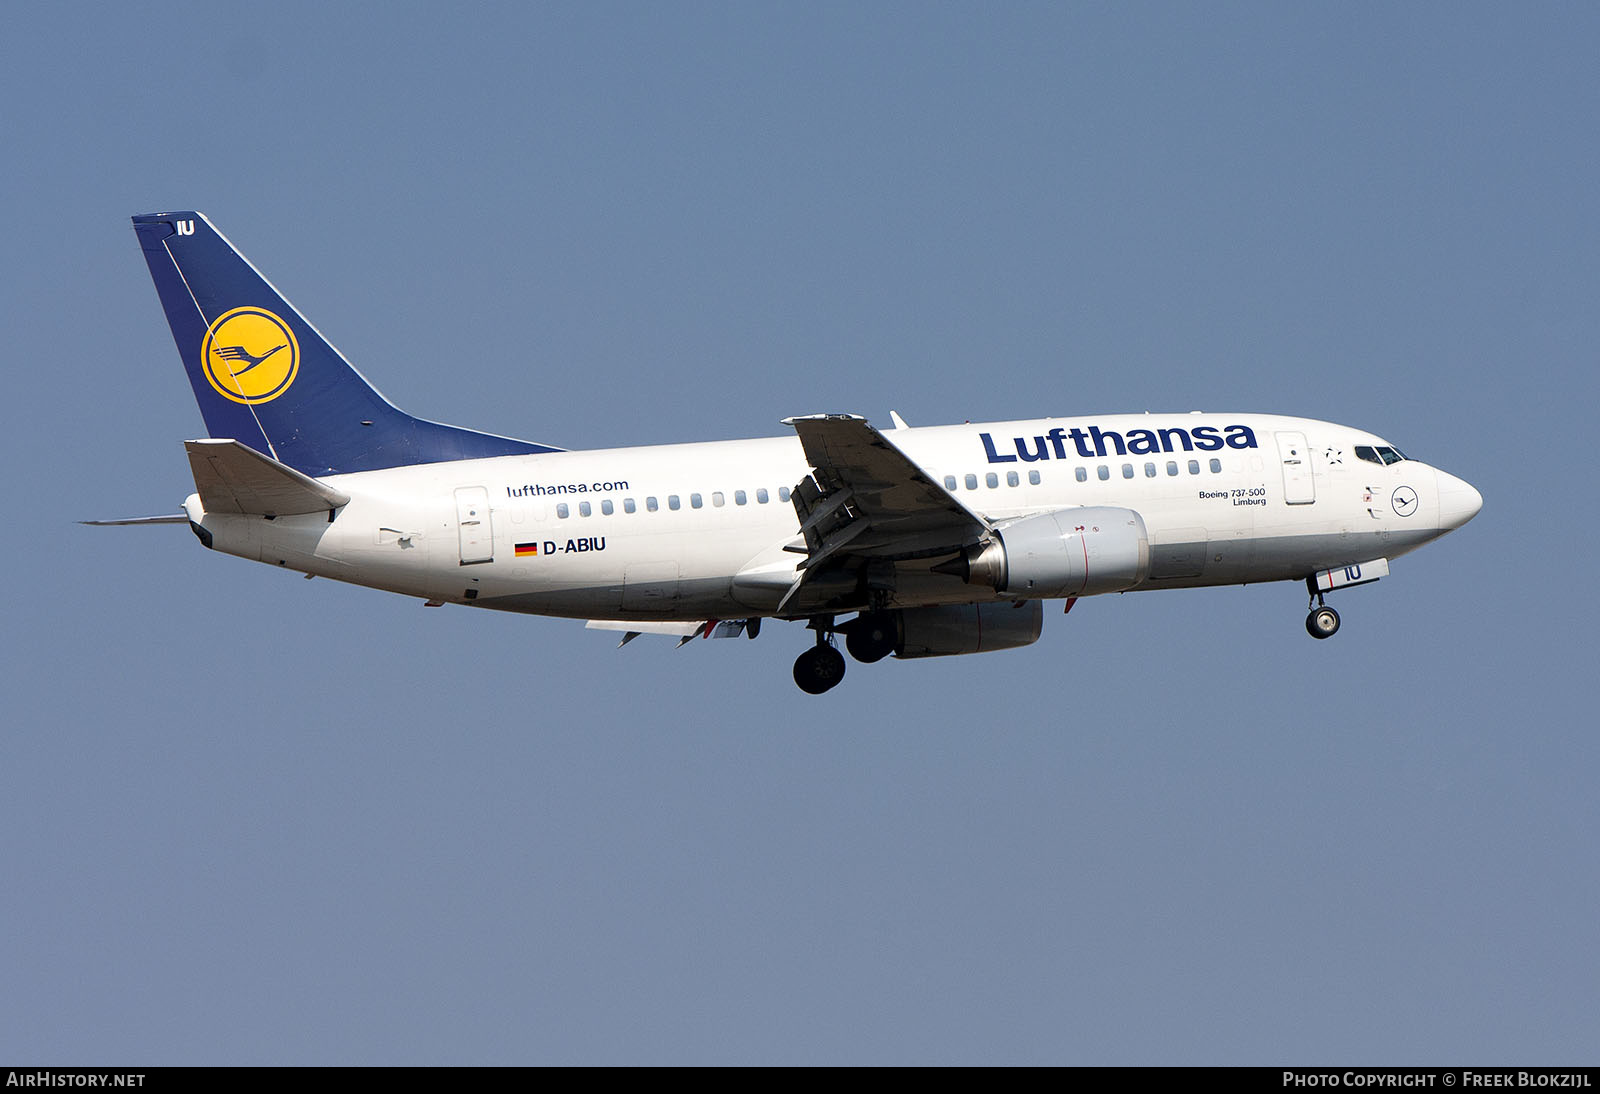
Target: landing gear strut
column 821, row 667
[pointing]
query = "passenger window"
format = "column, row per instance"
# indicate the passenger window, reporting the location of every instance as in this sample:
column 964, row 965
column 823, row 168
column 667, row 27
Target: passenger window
column 628, row 506
column 761, row 495
column 950, row 483
column 1012, row 480
column 583, row 509
column 1194, row 467
column 1033, row 478
column 606, row 507
column 651, row 505
column 1081, row 474
column 1127, row 470
column 717, row 499
column 1104, row 472
column 1216, row 467
column 1172, row 467
column 694, row 501
column 972, row 482
column 783, row 493
column 1149, row 470
column 673, row 503
column 991, row 480
column 739, row 497
column 561, row 510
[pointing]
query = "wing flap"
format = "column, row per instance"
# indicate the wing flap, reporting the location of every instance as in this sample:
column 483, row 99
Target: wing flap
column 234, row 478
column 684, row 631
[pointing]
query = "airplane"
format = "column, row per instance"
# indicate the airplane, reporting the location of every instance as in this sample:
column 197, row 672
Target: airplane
column 934, row 541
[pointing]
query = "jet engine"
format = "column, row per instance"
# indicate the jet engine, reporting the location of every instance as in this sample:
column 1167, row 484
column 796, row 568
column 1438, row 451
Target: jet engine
column 1066, row 552
column 967, row 628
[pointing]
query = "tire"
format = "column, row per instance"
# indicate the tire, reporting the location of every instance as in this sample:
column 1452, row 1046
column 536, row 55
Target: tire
column 870, row 638
column 819, row 669
column 1323, row 622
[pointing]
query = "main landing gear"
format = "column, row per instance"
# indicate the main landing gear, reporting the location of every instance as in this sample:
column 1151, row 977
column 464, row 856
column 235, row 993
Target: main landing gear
column 869, row 637
column 822, row 666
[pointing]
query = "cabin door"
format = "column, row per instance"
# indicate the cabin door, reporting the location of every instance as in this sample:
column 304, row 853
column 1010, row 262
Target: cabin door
column 1298, row 486
column 477, row 532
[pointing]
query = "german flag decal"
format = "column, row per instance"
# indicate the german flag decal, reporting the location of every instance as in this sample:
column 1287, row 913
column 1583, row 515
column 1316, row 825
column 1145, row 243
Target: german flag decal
column 525, row 550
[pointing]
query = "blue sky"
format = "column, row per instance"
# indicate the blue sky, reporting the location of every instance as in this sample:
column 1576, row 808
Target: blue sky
column 250, row 818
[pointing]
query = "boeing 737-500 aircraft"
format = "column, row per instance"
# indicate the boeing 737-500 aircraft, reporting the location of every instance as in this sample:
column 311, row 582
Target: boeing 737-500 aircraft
column 932, row 541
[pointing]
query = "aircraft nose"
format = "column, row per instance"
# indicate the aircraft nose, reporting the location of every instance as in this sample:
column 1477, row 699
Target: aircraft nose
column 1459, row 501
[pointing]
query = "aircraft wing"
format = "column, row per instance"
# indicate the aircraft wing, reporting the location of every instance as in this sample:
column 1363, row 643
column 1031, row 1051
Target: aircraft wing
column 684, row 631
column 867, row 500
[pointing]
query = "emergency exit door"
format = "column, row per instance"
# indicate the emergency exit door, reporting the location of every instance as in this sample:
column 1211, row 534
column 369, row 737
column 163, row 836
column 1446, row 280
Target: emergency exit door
column 472, row 517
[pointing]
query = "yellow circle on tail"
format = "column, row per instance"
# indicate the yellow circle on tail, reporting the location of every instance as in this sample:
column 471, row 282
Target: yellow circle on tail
column 250, row 355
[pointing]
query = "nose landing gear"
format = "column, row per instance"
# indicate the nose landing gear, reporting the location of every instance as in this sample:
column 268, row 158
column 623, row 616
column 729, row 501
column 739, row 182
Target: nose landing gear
column 1323, row 622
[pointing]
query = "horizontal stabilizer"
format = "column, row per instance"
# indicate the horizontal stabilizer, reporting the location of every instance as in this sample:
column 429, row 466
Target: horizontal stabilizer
column 235, row 478
column 175, row 518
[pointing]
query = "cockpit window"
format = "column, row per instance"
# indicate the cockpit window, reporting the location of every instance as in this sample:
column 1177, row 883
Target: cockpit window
column 1384, row 454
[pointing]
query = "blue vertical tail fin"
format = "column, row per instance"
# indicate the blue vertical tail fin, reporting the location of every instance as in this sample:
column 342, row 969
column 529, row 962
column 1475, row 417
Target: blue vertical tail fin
column 266, row 377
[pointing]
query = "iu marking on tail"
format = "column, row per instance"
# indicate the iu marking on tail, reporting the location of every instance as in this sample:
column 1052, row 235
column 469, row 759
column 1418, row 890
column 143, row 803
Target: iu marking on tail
column 916, row 542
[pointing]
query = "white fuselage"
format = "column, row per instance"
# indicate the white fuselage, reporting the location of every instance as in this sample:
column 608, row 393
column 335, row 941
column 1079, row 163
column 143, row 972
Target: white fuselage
column 698, row 531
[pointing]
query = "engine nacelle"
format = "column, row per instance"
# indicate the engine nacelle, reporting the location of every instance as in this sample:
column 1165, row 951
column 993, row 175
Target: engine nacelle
column 1066, row 552
column 967, row 628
